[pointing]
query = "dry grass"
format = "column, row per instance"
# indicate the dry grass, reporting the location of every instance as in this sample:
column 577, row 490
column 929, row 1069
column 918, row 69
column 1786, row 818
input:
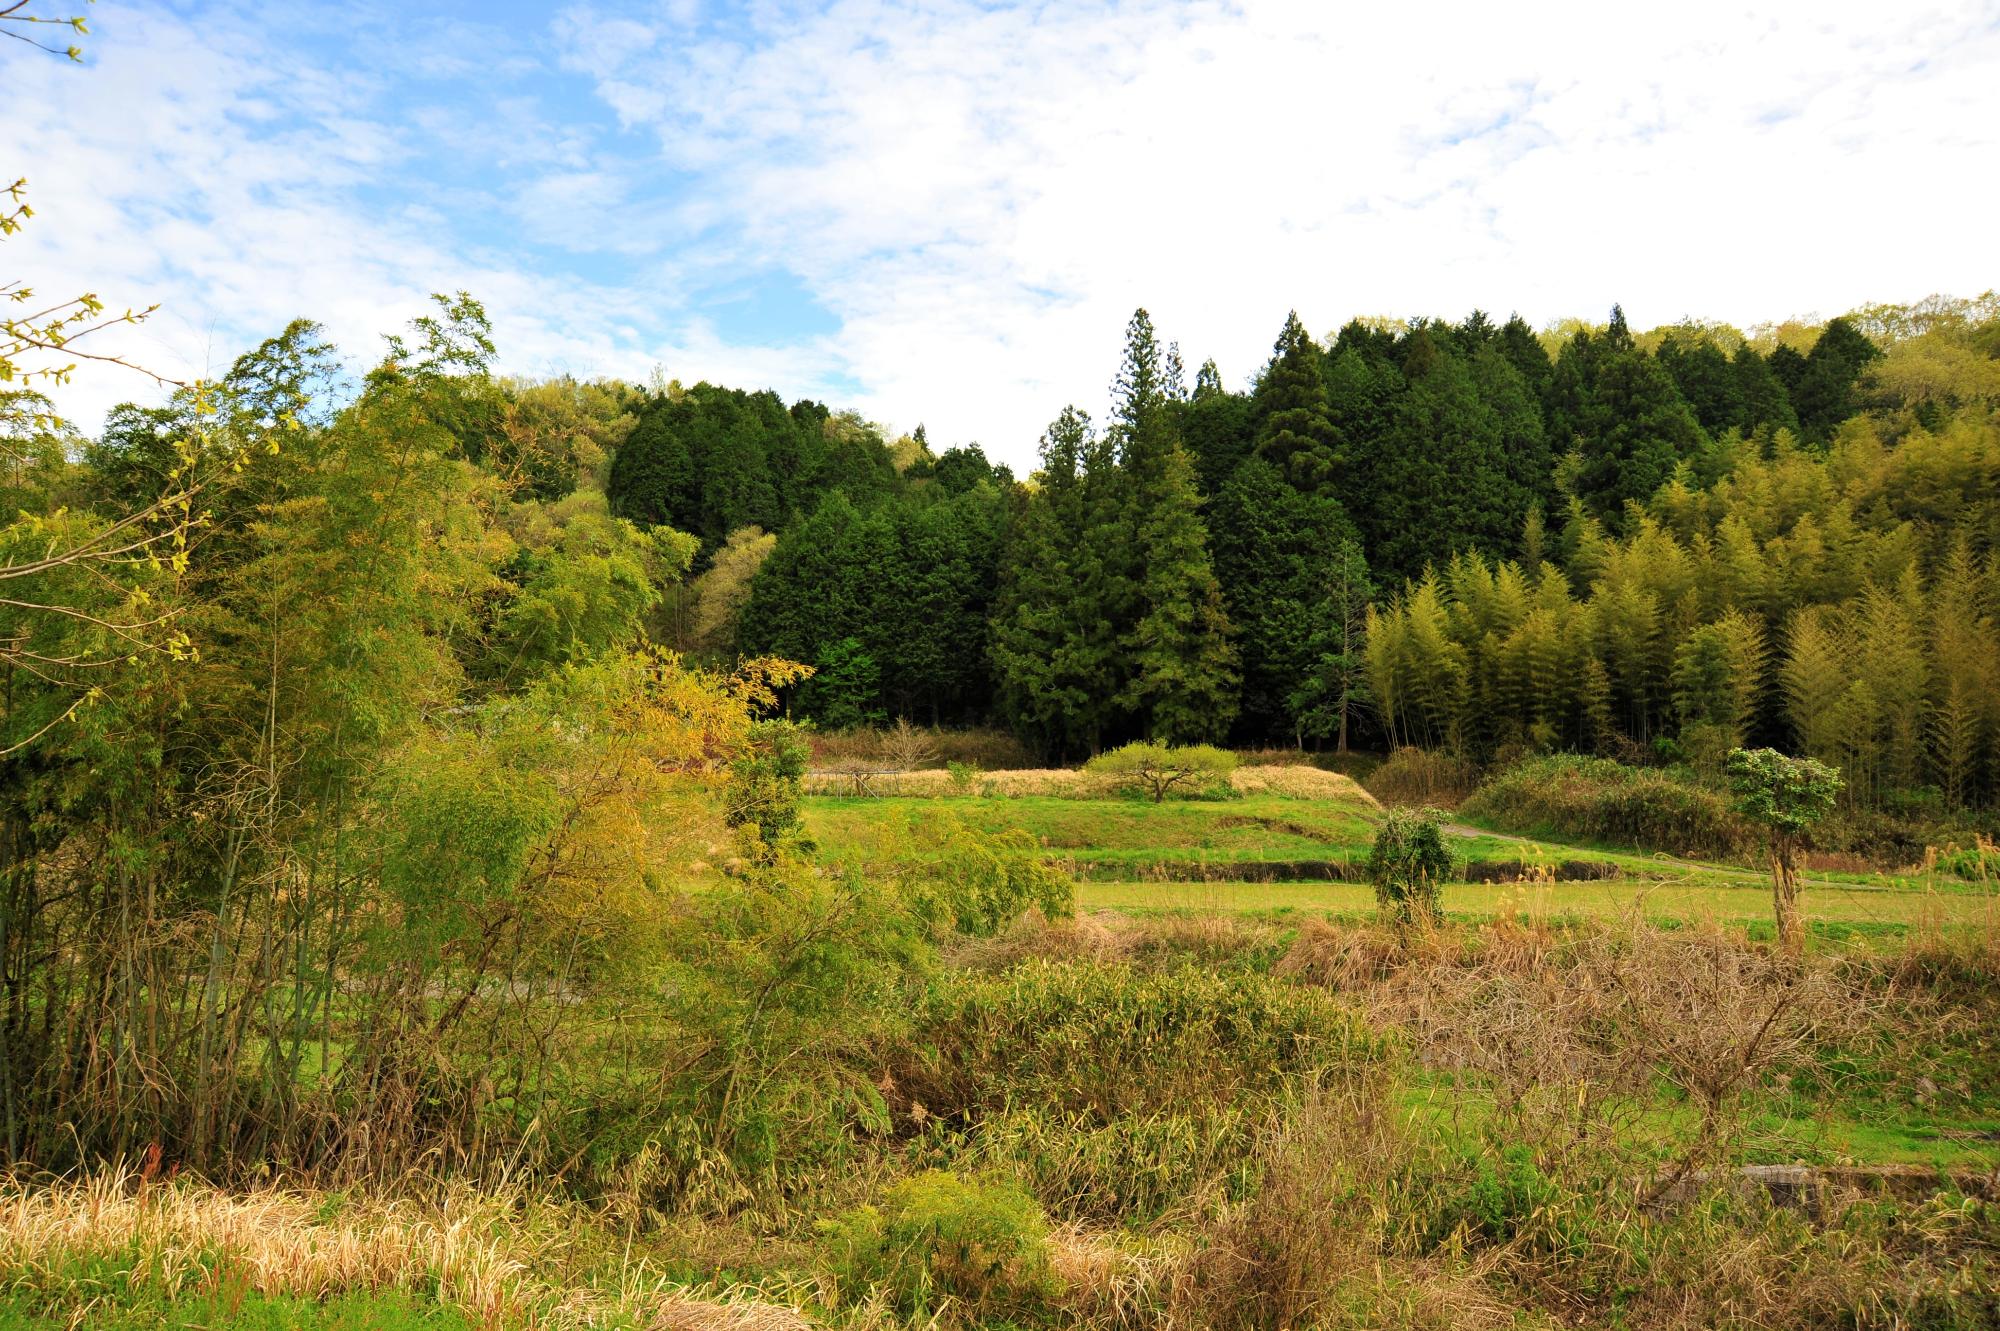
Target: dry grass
column 1418, row 777
column 1305, row 783
column 490, row 1257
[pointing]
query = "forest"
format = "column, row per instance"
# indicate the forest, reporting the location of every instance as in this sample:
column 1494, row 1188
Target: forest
column 1403, row 535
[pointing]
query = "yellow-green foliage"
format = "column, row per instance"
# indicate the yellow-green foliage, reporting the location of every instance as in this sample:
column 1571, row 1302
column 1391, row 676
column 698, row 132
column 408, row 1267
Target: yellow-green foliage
column 937, row 1240
column 1597, row 800
column 1159, row 770
column 1098, row 1041
column 959, row 879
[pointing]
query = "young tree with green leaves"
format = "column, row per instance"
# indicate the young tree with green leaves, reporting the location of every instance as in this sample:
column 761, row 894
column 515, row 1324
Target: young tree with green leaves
column 1408, row 865
column 1784, row 796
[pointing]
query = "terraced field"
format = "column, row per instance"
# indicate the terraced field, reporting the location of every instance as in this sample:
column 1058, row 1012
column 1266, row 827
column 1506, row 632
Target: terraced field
column 1303, row 854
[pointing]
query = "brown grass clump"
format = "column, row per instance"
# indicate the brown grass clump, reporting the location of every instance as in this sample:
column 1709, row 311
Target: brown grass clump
column 480, row 1253
column 1311, row 1247
column 1100, row 936
column 1342, row 958
column 1418, row 777
column 1107, row 1284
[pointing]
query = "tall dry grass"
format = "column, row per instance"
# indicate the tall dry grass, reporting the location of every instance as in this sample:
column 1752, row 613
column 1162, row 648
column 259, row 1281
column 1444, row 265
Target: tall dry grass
column 503, row 1260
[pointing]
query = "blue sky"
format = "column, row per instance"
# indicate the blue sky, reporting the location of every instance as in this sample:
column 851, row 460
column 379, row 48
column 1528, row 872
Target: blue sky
column 942, row 210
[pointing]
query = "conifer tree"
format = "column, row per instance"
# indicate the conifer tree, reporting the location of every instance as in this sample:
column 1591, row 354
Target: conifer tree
column 1183, row 668
column 1275, row 551
column 1336, row 681
column 1710, row 384
column 1053, row 642
column 1761, row 397
column 1216, row 427
column 1824, row 395
column 1294, row 432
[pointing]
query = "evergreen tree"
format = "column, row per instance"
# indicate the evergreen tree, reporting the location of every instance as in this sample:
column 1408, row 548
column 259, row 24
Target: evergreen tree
column 1824, row 395
column 1761, row 396
column 1216, row 427
column 1707, row 381
column 1053, row 643
column 1274, row 551
column 1183, row 668
column 1439, row 481
column 1294, row 432
column 1630, row 424
column 1336, row 680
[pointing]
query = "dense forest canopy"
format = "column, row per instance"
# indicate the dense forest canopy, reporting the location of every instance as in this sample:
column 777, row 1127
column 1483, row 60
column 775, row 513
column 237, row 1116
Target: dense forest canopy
column 1404, row 532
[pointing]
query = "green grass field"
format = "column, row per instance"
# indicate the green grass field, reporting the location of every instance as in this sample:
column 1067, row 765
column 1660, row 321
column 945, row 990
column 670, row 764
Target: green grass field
column 1134, row 857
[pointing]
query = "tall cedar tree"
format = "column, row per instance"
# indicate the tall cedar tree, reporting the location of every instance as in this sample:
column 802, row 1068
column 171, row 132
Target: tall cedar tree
column 1703, row 374
column 1824, row 395
column 1629, row 425
column 1216, row 427
column 1053, row 643
column 1180, row 670
column 1274, row 554
column 1761, row 396
column 1294, row 433
column 1441, row 477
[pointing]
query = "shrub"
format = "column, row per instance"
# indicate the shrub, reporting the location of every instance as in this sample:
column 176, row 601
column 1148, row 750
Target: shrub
column 957, row 877
column 1978, row 864
column 1096, row 1041
column 1422, row 777
column 1597, row 800
column 765, row 783
column 1407, row 863
column 1162, row 769
column 938, row 1237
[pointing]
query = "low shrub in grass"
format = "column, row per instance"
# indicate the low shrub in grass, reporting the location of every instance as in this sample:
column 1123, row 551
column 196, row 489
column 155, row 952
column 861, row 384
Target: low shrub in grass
column 1097, row 1041
column 1133, row 1169
column 1595, row 799
column 1185, row 771
column 938, row 1238
column 1415, row 776
column 1978, row 864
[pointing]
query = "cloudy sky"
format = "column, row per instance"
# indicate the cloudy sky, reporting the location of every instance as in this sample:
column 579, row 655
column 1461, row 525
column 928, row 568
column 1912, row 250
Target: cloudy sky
column 943, row 212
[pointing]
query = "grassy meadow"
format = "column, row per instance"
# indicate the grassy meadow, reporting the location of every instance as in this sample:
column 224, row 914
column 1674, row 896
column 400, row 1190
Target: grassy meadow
column 1199, row 1086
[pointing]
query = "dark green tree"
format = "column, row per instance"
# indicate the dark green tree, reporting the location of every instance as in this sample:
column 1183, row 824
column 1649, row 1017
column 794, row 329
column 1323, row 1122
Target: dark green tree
column 1054, row 646
column 1274, row 551
column 1761, row 397
column 1294, row 431
column 1183, row 676
column 1824, row 395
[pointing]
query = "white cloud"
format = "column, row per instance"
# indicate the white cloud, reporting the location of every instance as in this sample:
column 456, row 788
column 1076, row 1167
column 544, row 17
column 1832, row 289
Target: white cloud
column 981, row 195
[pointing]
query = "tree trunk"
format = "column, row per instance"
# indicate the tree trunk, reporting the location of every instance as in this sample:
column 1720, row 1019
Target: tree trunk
column 1341, row 747
column 1785, row 899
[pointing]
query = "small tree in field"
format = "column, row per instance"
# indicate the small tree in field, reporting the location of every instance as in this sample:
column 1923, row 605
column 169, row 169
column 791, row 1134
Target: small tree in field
column 1785, row 796
column 1161, row 768
column 1407, row 865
